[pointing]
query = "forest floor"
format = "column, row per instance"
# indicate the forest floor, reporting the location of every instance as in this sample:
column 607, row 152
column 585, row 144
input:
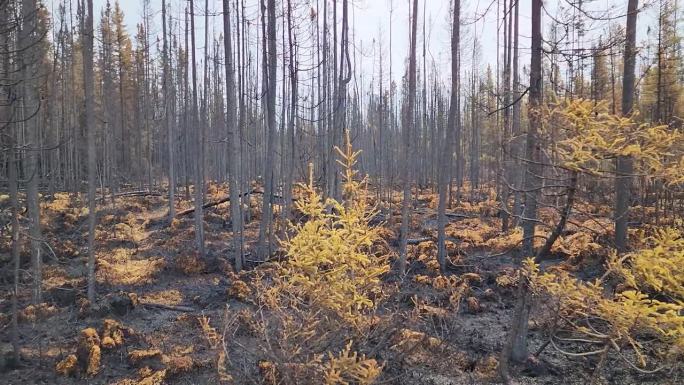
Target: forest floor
column 170, row 306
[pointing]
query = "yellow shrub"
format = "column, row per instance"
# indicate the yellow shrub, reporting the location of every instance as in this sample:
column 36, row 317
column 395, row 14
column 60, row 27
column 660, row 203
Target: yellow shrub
column 348, row 367
column 329, row 262
column 626, row 315
column 68, row 366
column 658, row 268
column 594, row 135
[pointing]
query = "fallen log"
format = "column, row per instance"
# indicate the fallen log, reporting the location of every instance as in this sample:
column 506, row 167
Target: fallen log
column 447, row 214
column 457, row 215
column 142, row 193
column 185, row 309
column 215, row 203
column 130, row 194
column 415, row 241
column 227, row 199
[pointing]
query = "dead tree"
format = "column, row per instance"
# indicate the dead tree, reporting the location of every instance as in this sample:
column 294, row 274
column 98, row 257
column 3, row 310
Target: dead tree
column 516, row 347
column 169, row 119
column 89, row 85
column 447, row 149
column 409, row 123
column 270, row 67
column 233, row 151
column 624, row 166
column 199, row 145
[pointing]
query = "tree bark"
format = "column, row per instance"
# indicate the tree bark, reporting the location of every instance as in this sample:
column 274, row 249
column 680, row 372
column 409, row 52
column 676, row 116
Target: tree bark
column 89, row 85
column 265, row 231
column 233, row 150
column 624, row 165
column 29, row 60
column 289, row 147
column 445, row 171
column 199, row 139
column 516, row 346
column 169, row 118
column 409, row 123
column 13, row 181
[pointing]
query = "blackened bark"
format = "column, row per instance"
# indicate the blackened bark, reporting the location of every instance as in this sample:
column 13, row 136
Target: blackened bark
column 624, row 166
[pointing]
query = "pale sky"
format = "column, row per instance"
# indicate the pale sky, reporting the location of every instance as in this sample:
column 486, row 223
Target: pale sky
column 371, row 18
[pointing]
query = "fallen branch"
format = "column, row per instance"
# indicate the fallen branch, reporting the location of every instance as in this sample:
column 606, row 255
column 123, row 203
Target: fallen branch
column 447, row 214
column 184, row 309
column 457, row 215
column 415, row 241
column 214, row 203
column 130, row 194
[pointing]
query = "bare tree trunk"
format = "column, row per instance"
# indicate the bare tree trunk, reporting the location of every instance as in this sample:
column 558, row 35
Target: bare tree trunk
column 289, row 148
column 445, row 171
column 7, row 70
column 233, row 150
column 199, row 139
column 624, row 166
column 516, row 143
column 516, row 346
column 9, row 148
column 14, row 202
column 169, row 119
column 265, row 231
column 108, row 146
column 533, row 168
column 89, row 86
column 409, row 123
column 506, row 168
column 29, row 59
column 186, row 97
column 243, row 177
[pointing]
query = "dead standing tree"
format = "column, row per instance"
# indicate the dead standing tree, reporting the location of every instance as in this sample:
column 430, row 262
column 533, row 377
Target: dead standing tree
column 409, row 123
column 233, row 138
column 445, row 172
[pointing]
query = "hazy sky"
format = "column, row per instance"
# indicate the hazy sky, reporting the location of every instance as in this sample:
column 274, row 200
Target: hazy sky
column 371, row 19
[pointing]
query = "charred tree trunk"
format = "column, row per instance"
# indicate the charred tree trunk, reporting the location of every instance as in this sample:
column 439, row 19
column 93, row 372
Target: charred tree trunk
column 233, row 150
column 270, row 64
column 89, row 86
column 199, row 158
column 624, row 166
column 168, row 116
column 445, row 171
column 409, row 123
column 516, row 346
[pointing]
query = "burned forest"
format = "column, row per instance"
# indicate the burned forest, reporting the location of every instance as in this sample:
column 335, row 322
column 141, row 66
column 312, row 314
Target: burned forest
column 341, row 192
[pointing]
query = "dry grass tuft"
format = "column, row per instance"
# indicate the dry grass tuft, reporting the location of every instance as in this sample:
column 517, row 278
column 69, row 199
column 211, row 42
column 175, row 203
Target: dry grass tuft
column 169, row 297
column 137, row 356
column 88, row 351
column 118, row 268
column 238, row 288
column 68, row 366
column 487, row 367
column 189, row 264
column 34, row 313
column 112, row 334
column 179, row 364
column 147, row 377
column 473, row 305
